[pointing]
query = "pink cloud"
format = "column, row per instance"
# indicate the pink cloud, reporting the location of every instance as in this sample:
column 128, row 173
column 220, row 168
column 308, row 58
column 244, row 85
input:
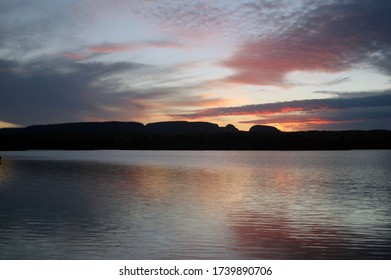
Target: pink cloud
column 128, row 47
column 74, row 56
column 331, row 38
column 266, row 62
column 111, row 48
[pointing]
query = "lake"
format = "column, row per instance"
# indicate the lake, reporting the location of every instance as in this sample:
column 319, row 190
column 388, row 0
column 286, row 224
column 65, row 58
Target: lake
column 195, row 205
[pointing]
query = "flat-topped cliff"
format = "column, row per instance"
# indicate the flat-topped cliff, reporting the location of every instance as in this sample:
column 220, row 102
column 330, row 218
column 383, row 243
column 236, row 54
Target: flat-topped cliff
column 183, row 135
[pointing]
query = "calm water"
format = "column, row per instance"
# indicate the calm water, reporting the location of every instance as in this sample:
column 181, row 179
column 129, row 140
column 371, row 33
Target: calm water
column 195, row 205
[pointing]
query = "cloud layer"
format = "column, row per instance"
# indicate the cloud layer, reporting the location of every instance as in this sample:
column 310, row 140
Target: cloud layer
column 86, row 60
column 331, row 38
column 308, row 114
column 58, row 91
column 52, row 90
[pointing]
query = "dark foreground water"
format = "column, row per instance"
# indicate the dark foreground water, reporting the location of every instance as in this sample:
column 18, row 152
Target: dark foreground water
column 195, row 205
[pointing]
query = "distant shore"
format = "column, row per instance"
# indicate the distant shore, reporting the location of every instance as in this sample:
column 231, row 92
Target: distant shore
column 182, row 135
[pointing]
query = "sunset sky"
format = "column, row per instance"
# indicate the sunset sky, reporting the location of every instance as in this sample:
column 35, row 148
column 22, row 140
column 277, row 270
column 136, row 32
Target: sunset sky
column 296, row 65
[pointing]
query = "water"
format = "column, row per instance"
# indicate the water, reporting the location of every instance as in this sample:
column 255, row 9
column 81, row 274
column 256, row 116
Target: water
column 195, row 205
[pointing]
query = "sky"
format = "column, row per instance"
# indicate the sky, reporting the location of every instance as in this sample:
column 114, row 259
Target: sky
column 295, row 65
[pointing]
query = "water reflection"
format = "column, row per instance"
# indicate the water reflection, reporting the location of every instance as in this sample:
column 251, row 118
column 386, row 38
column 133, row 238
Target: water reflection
column 261, row 236
column 5, row 173
column 186, row 205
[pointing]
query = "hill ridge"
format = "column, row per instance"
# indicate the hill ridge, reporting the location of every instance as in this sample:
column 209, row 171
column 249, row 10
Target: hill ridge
column 184, row 135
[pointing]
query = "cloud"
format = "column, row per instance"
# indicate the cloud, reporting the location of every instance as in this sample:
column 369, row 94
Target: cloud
column 127, row 47
column 220, row 20
column 382, row 60
column 298, row 106
column 7, row 65
column 337, row 81
column 313, row 113
column 36, row 26
column 193, row 19
column 48, row 49
column 74, row 56
column 351, row 118
column 330, row 38
column 57, row 89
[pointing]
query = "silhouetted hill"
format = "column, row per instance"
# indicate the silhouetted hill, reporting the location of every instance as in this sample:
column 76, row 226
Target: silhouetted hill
column 91, row 135
column 182, row 127
column 182, row 135
column 264, row 129
column 87, row 127
column 229, row 128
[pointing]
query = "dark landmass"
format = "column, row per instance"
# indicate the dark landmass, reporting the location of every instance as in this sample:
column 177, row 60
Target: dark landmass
column 182, row 135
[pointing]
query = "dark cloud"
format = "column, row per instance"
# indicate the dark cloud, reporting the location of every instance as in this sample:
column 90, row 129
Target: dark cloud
column 53, row 90
column 331, row 38
column 351, row 118
column 299, row 106
column 338, row 81
column 57, row 90
column 362, row 112
column 382, row 60
column 7, row 65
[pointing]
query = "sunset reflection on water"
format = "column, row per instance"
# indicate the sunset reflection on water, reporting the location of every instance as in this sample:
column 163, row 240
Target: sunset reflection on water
column 195, row 205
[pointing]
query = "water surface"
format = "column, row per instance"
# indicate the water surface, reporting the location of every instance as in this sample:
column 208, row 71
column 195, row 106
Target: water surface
column 195, row 205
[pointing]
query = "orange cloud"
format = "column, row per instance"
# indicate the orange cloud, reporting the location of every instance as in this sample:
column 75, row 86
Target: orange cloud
column 289, row 123
column 292, row 109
